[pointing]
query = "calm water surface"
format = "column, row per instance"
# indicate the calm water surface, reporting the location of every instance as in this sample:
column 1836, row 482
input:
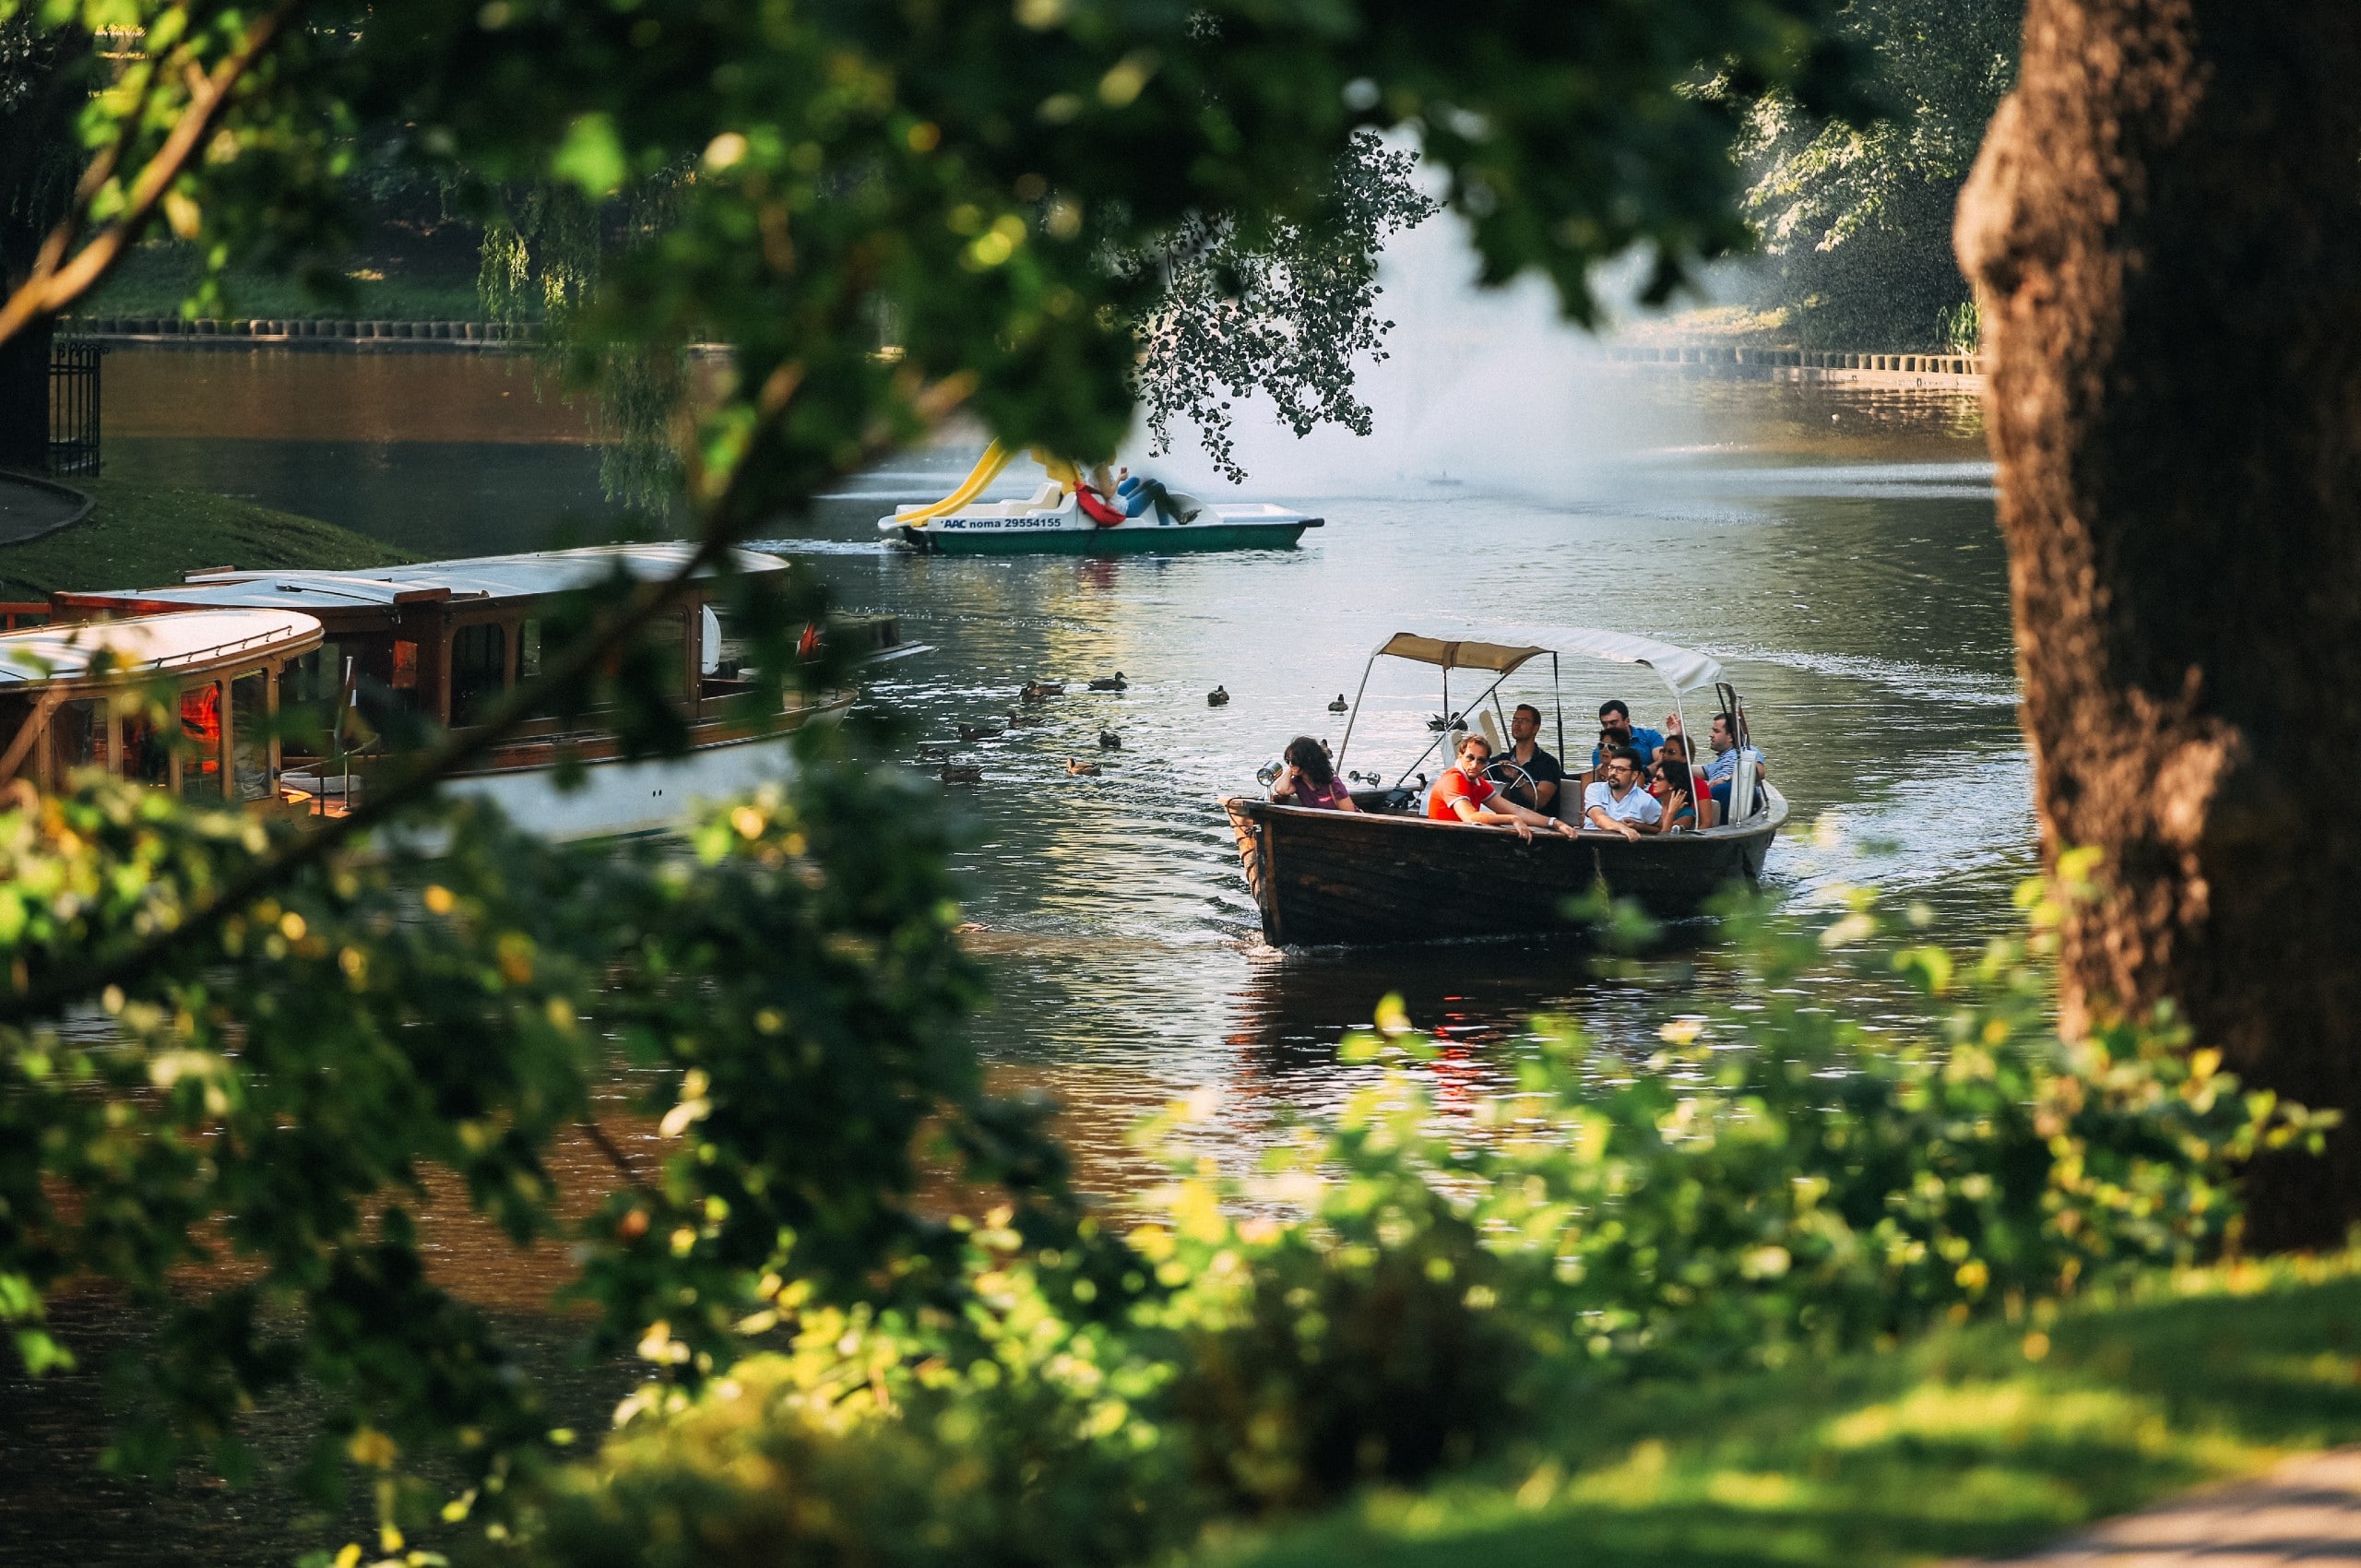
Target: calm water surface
column 1835, row 550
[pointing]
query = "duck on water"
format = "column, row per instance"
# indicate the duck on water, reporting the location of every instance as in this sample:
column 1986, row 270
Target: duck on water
column 1388, row 872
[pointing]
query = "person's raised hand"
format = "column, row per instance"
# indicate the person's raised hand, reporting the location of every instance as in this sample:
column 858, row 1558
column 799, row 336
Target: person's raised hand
column 1672, row 724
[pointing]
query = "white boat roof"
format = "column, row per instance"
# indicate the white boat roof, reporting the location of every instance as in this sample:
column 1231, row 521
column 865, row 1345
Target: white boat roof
column 1683, row 670
column 525, row 575
column 152, row 643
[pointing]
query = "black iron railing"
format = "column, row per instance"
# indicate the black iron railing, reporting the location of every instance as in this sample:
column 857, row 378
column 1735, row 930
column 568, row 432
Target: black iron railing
column 74, row 406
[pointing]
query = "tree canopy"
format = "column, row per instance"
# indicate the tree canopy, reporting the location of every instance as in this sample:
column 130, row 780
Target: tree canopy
column 222, row 1039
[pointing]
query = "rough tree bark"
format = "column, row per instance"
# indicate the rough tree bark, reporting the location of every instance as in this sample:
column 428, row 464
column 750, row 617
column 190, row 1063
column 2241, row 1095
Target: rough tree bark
column 2164, row 233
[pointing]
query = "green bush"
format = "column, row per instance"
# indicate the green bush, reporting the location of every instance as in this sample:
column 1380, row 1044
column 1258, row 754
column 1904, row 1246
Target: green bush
column 1399, row 1292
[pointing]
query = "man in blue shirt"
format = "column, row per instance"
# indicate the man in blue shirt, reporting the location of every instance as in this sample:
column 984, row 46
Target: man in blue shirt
column 1614, row 718
column 1728, row 757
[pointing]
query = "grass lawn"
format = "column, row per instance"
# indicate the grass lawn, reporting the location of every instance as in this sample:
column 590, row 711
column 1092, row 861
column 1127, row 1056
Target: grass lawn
column 142, row 535
column 1957, row 1446
column 154, row 279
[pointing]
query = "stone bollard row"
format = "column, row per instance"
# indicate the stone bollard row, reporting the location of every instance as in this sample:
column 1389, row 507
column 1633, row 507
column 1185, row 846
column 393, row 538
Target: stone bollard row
column 301, row 329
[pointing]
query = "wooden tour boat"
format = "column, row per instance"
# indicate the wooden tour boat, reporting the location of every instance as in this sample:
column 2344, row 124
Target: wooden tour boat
column 1388, row 873
column 444, row 640
column 108, row 696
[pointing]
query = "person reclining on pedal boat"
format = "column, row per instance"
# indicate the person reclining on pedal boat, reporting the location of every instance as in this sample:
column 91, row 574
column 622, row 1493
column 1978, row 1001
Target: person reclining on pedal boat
column 1618, row 804
column 1464, row 794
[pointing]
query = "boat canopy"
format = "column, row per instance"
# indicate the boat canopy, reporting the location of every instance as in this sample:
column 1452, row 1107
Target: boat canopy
column 1683, row 670
column 1498, row 657
column 149, row 645
column 525, row 575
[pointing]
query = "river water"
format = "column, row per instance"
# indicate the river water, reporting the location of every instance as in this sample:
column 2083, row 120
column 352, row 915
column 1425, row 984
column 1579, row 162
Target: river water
column 1835, row 548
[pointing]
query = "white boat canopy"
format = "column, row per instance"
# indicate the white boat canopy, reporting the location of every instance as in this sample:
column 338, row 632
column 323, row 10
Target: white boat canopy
column 193, row 643
column 1682, row 670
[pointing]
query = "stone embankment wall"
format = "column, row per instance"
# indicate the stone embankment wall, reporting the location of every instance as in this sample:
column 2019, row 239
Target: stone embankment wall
column 309, row 331
column 1964, row 372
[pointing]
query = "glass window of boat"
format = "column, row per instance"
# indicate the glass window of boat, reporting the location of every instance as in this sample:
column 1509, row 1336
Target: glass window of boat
column 479, row 668
column 16, row 712
column 146, row 755
column 77, row 735
column 668, row 639
column 200, row 709
column 529, row 650
column 405, row 672
column 250, row 725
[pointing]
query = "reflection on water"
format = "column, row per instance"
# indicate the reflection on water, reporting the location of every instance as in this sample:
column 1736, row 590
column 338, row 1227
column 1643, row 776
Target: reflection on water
column 1836, row 551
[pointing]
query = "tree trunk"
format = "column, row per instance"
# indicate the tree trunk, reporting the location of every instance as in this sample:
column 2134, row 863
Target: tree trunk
column 2164, row 232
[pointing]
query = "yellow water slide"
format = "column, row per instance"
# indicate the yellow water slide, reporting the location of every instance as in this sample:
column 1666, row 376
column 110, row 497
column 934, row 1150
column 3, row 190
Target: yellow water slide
column 988, row 468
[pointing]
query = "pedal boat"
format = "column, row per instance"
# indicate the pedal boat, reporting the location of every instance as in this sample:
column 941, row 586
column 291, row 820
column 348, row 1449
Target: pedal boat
column 1388, row 873
column 1057, row 518
column 443, row 640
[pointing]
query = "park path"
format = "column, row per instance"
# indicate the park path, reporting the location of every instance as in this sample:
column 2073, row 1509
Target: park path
column 28, row 507
column 2307, row 1511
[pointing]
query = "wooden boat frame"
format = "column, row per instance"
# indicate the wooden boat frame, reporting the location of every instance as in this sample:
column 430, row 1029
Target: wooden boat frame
column 1388, row 873
column 89, row 695
column 442, row 639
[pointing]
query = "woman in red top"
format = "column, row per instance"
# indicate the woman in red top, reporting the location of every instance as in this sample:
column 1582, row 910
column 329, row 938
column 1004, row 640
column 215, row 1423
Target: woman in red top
column 1309, row 779
column 1464, row 794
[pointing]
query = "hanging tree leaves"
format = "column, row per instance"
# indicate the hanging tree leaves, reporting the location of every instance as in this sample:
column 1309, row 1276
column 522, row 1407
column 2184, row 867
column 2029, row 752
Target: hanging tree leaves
column 1287, row 311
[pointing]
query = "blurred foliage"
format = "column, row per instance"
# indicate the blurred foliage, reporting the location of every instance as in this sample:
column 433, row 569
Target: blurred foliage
column 1856, row 214
column 1401, row 1292
column 236, row 1054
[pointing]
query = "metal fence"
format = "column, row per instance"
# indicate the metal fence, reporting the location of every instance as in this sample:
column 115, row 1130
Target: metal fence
column 73, row 407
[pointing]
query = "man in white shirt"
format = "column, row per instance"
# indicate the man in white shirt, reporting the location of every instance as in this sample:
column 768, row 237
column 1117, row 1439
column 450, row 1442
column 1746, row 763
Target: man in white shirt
column 1616, row 803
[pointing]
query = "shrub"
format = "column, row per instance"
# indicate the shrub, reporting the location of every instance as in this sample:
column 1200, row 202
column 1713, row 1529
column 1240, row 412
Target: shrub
column 1396, row 1293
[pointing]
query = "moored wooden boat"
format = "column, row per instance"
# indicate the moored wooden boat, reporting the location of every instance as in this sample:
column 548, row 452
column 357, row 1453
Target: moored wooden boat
column 1388, row 872
column 186, row 702
column 443, row 640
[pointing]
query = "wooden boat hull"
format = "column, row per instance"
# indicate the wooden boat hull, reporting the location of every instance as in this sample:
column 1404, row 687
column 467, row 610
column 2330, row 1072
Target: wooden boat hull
column 1322, row 877
column 615, row 795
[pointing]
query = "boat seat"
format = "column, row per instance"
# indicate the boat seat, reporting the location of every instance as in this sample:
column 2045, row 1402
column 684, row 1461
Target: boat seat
column 1047, row 498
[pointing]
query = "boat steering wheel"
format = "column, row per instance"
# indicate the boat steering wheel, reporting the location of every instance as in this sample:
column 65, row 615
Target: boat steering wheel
column 1532, row 786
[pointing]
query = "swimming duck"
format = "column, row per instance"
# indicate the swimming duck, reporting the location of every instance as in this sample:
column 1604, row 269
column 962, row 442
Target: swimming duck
column 962, row 772
column 1040, row 691
column 1114, row 683
column 981, row 731
column 1081, row 769
column 1340, row 705
column 1110, row 742
column 1215, row 698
